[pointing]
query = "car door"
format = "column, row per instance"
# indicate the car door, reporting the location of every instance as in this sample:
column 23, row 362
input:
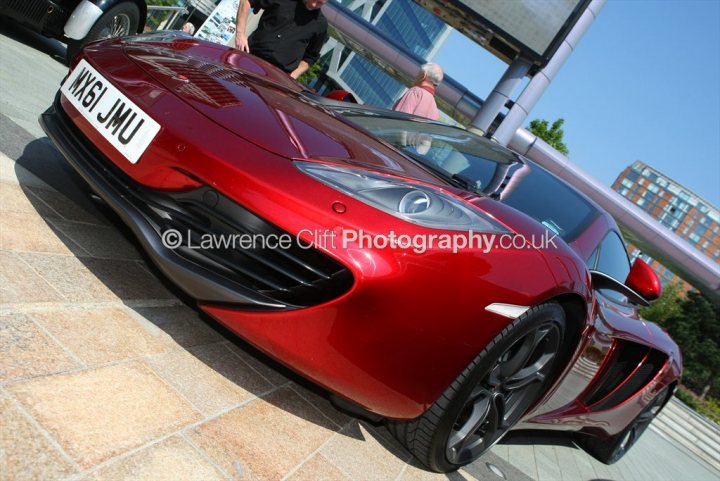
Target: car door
column 617, row 315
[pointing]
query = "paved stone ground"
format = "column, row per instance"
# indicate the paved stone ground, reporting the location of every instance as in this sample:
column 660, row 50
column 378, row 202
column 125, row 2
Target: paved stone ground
column 107, row 374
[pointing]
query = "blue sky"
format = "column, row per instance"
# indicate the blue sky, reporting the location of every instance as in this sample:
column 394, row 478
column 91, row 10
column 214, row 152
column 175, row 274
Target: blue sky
column 643, row 84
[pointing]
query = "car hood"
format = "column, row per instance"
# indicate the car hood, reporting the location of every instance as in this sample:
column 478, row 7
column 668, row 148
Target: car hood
column 263, row 105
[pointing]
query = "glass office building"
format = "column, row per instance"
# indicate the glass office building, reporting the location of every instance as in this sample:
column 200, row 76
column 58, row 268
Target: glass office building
column 410, row 25
column 676, row 207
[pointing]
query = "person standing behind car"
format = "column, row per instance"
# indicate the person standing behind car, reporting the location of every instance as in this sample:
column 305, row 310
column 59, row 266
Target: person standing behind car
column 420, row 98
column 289, row 35
column 188, row 28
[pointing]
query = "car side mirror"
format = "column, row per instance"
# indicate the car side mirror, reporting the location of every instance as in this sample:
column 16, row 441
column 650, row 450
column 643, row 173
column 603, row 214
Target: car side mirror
column 342, row 96
column 643, row 280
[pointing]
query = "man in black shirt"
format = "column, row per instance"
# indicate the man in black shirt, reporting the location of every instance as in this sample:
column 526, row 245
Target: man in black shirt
column 290, row 33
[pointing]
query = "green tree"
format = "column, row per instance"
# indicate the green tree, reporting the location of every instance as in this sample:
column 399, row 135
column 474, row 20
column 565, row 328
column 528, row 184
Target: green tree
column 697, row 332
column 667, row 306
column 165, row 3
column 312, row 73
column 155, row 18
column 552, row 134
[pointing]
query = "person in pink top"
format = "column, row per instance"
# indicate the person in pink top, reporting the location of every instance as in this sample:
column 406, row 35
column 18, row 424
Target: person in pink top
column 420, row 98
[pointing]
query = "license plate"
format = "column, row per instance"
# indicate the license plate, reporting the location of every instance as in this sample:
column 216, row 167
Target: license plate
column 110, row 112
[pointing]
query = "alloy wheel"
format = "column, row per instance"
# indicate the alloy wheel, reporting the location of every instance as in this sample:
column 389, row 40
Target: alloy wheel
column 504, row 394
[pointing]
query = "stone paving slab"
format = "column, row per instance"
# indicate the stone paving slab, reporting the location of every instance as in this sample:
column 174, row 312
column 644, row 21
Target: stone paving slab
column 97, row 414
column 29, row 351
column 106, row 375
column 172, row 459
column 27, row 453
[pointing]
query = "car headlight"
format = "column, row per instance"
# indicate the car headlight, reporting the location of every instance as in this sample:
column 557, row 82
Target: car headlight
column 415, row 203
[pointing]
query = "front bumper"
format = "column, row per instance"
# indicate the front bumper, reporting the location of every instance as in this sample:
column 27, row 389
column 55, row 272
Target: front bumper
column 249, row 279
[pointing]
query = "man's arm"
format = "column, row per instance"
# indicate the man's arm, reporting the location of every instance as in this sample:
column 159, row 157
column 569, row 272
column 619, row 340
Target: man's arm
column 241, row 41
column 302, row 67
column 312, row 54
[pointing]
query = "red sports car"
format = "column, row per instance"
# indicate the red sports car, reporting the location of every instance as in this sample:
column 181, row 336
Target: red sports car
column 422, row 274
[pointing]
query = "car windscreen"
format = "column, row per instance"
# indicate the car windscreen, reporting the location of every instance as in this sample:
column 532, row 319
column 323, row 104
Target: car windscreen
column 491, row 169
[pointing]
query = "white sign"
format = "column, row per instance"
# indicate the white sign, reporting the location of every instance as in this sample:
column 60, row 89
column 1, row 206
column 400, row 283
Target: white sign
column 220, row 25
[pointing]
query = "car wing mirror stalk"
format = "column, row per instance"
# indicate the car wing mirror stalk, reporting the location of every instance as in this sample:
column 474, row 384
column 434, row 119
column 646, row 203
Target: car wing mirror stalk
column 604, row 281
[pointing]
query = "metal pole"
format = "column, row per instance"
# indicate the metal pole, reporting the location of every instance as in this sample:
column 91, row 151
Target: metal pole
column 637, row 225
column 500, row 95
column 536, row 87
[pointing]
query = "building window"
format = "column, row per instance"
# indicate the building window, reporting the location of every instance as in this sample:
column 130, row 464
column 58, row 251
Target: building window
column 627, row 183
column 653, row 188
column 695, row 238
column 662, row 182
column 641, row 201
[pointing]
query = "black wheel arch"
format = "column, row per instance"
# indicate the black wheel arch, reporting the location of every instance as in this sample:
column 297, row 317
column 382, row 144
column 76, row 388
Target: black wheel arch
column 576, row 313
column 576, row 317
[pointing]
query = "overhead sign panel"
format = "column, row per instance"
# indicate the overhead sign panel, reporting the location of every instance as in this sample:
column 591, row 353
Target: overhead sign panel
column 531, row 28
column 534, row 23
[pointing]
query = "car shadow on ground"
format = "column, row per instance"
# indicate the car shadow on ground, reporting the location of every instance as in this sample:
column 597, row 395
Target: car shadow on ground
column 49, row 46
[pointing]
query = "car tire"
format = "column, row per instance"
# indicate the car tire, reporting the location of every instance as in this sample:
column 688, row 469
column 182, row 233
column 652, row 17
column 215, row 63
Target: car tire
column 491, row 395
column 122, row 19
column 611, row 450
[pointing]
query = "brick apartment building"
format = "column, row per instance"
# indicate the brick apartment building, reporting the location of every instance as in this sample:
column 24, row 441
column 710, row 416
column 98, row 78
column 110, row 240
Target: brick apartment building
column 677, row 208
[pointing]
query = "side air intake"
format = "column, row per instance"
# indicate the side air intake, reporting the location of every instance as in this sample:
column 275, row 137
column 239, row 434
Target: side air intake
column 629, row 369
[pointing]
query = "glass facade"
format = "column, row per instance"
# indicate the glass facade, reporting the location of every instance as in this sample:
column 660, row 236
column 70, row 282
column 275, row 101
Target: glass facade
column 675, row 207
column 411, row 26
column 370, row 83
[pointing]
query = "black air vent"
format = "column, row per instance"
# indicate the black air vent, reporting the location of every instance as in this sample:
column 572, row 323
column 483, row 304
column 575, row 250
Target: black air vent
column 631, row 367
